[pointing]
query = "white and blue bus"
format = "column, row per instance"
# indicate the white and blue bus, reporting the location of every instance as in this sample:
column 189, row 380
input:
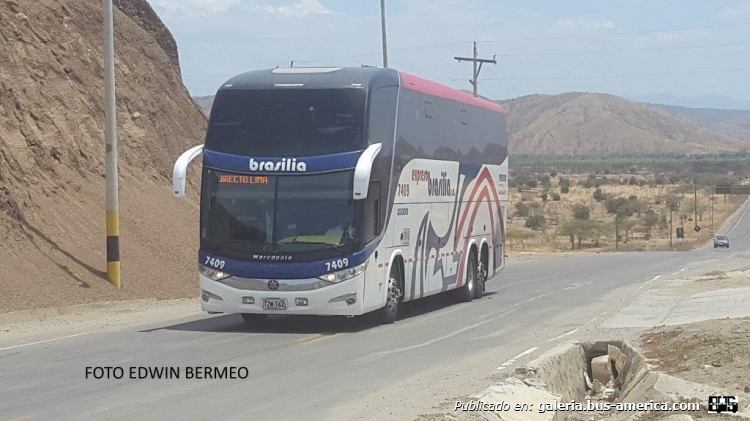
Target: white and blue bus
column 345, row 191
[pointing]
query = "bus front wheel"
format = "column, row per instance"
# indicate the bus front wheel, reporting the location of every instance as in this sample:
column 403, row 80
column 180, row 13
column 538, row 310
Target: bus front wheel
column 387, row 314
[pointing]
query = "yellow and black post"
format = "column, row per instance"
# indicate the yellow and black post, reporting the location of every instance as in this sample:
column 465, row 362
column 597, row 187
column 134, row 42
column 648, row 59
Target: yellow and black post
column 110, row 159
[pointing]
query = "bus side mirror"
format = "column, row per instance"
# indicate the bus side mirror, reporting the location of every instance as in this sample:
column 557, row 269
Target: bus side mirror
column 363, row 169
column 179, row 174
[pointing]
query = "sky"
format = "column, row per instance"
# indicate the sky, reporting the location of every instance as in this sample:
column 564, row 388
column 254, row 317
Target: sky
column 695, row 51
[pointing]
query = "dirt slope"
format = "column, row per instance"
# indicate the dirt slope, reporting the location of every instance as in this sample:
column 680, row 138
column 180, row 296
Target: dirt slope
column 575, row 124
column 52, row 232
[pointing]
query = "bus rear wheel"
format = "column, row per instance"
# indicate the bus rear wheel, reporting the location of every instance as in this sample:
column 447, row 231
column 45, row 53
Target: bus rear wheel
column 253, row 319
column 387, row 314
column 481, row 276
column 467, row 291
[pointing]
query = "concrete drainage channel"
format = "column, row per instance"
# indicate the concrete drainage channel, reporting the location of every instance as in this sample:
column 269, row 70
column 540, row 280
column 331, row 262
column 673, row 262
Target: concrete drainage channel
column 588, row 381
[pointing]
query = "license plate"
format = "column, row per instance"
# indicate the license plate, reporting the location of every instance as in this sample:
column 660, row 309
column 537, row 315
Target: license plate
column 274, row 304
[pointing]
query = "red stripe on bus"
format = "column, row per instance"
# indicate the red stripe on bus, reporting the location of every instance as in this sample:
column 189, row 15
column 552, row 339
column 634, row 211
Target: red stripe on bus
column 429, row 87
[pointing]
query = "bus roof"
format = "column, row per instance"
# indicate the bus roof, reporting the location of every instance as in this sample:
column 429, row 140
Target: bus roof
column 346, row 77
column 429, row 87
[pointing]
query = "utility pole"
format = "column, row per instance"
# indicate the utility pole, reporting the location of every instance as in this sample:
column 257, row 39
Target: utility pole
column 670, row 227
column 617, row 232
column 695, row 200
column 385, row 41
column 110, row 157
column 477, row 67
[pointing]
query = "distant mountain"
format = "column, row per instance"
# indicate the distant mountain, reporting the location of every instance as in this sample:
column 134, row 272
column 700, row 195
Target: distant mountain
column 703, row 101
column 205, row 102
column 587, row 124
column 733, row 123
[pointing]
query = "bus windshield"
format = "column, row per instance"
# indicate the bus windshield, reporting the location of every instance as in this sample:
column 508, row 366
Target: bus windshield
column 287, row 122
column 302, row 217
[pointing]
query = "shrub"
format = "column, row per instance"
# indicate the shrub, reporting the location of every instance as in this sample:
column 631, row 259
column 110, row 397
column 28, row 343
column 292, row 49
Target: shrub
column 536, row 222
column 522, row 209
column 581, row 212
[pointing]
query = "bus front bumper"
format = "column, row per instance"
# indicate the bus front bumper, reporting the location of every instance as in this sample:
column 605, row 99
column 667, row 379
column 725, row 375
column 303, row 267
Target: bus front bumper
column 239, row 295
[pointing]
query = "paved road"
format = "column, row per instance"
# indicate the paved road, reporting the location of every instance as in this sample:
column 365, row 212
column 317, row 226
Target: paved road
column 321, row 368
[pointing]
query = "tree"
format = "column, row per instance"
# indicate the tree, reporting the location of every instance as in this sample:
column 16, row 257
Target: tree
column 599, row 230
column 598, row 195
column 577, row 230
column 581, row 212
column 536, row 222
column 555, row 197
column 621, row 206
column 649, row 222
column 663, row 223
column 545, row 181
column 627, row 226
column 570, row 230
column 522, row 209
column 520, row 236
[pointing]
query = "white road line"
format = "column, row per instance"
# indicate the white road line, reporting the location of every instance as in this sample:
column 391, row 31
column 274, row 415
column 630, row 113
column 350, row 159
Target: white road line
column 709, row 261
column 541, row 279
column 591, row 321
column 738, row 220
column 747, row 206
column 732, row 255
column 546, row 294
column 41, row 342
column 653, row 279
column 679, row 272
column 434, row 315
column 496, row 333
column 374, row 356
column 563, row 335
column 513, row 360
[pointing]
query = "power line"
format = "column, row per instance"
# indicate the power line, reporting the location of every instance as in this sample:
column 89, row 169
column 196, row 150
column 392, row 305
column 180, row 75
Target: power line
column 406, row 50
column 679, row 47
column 611, row 34
column 737, row 69
column 506, row 79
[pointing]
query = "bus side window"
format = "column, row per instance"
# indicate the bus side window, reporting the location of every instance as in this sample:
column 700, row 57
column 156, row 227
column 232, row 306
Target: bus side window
column 373, row 217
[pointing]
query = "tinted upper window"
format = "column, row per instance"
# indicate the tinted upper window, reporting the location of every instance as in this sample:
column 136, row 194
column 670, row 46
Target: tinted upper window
column 287, row 122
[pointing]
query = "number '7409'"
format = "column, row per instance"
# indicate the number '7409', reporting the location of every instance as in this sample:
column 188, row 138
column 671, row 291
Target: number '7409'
column 214, row 262
column 337, row 264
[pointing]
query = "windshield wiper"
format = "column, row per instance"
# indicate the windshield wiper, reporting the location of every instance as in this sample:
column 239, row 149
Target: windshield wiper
column 333, row 246
column 229, row 243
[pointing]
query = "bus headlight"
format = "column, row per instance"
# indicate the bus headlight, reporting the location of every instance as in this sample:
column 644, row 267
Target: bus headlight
column 345, row 274
column 212, row 273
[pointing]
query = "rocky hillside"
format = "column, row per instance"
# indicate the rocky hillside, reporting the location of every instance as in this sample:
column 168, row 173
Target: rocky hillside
column 584, row 124
column 52, row 219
